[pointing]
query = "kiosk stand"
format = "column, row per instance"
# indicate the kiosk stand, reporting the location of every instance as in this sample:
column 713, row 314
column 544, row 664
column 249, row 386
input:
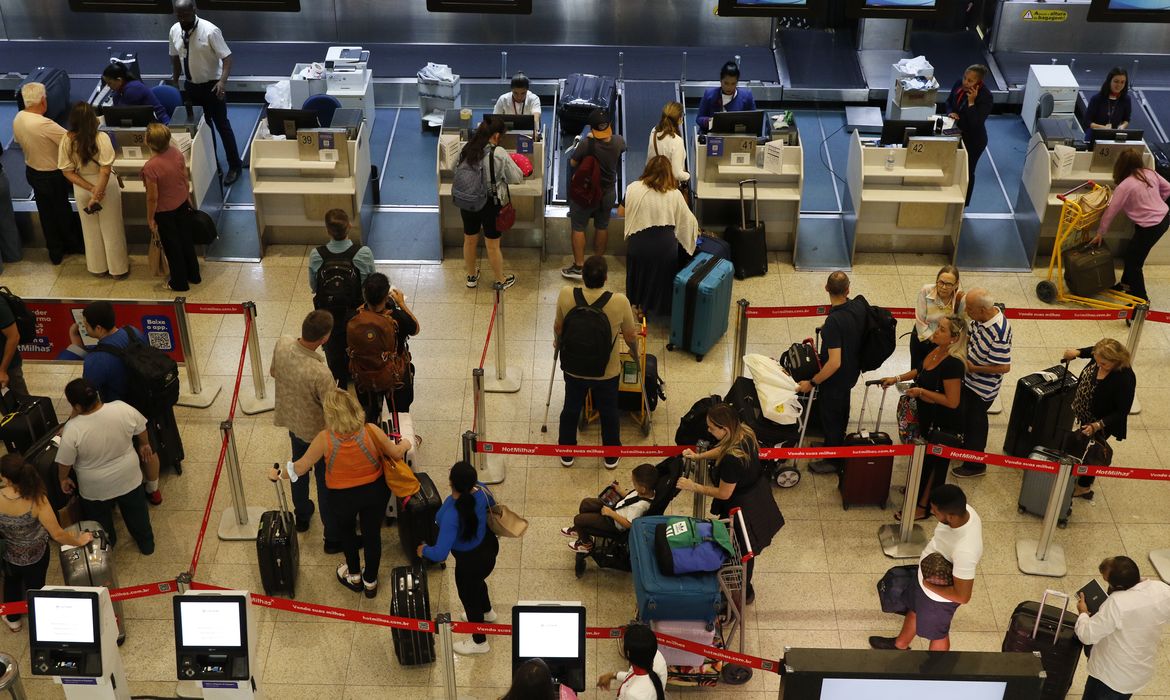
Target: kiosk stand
column 553, row 631
column 215, row 645
column 73, row 637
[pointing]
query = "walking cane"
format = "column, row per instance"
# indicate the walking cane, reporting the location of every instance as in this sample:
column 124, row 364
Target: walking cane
column 552, row 377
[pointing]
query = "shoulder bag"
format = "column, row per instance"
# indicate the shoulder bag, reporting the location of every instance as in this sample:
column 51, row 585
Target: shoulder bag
column 398, row 475
column 501, row 519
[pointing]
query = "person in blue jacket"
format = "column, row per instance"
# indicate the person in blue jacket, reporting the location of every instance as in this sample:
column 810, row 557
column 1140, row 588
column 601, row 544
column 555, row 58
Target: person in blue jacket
column 463, row 532
column 728, row 97
column 1110, row 108
column 125, row 90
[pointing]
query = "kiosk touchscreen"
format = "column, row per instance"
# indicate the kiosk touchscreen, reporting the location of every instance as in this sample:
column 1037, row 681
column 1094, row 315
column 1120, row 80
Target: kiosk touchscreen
column 211, row 637
column 64, row 633
column 128, row 116
column 746, row 123
column 555, row 633
column 286, row 122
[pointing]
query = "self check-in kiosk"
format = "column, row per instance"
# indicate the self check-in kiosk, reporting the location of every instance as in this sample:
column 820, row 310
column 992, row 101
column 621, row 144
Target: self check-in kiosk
column 553, row 631
column 215, row 643
column 72, row 636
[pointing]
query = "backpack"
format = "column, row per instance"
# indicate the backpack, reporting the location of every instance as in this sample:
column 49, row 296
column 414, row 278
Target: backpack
column 376, row 362
column 152, row 381
column 468, row 189
column 26, row 323
column 879, row 336
column 339, row 284
column 585, row 185
column 585, row 336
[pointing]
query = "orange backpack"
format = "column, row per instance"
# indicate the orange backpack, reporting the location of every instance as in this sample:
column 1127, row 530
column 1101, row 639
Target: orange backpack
column 376, row 362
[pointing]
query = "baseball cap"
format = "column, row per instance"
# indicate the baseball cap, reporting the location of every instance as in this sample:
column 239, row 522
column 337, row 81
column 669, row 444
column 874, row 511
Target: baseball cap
column 599, row 123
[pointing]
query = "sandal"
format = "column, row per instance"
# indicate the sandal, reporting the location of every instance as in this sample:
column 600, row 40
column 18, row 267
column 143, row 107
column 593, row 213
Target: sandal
column 917, row 518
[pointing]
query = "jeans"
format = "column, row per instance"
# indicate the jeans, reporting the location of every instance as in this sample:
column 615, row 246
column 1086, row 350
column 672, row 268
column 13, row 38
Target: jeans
column 175, row 234
column 605, row 400
column 365, row 504
column 134, row 514
column 1096, row 690
column 18, row 580
column 300, row 490
column 974, row 424
column 59, row 222
column 472, row 569
column 215, row 111
column 1143, row 241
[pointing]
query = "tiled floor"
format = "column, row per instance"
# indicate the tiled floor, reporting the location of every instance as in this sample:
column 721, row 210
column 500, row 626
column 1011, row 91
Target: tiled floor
column 816, row 582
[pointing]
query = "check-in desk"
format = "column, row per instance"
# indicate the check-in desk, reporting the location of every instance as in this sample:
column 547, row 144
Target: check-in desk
column 777, row 166
column 295, row 181
column 906, row 199
column 1038, row 209
column 527, row 197
column 191, row 134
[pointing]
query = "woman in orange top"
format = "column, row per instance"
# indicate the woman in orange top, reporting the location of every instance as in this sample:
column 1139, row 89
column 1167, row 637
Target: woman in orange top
column 353, row 451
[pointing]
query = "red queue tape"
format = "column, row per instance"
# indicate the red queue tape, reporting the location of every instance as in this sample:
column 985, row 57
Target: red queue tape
column 1027, row 314
column 1158, row 316
column 145, row 590
column 521, row 448
column 195, row 308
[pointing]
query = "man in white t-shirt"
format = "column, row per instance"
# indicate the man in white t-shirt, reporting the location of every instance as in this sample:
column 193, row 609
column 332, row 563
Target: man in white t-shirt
column 930, row 607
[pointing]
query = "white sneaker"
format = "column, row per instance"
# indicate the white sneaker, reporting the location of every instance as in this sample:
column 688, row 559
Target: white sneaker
column 468, row 647
column 489, row 616
column 17, row 625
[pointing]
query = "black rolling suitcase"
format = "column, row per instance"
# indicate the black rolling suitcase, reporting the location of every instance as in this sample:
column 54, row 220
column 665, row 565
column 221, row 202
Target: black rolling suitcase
column 1088, row 269
column 409, row 597
column 1041, row 411
column 749, row 245
column 57, row 92
column 43, row 456
column 277, row 549
column 1050, row 633
column 416, row 517
column 866, row 480
column 584, row 93
column 25, row 420
column 166, row 440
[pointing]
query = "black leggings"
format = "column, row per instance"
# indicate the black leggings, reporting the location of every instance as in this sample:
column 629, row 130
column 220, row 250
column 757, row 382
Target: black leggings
column 472, row 569
column 18, row 580
column 367, row 505
column 1143, row 241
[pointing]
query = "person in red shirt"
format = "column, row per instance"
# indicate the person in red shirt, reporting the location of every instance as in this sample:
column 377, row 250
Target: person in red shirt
column 168, row 206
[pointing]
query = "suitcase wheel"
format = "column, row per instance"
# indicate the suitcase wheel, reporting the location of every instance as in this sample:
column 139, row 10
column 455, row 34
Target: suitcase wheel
column 1021, row 510
column 646, row 425
column 1062, row 523
column 787, row 477
column 670, row 347
column 734, row 674
column 698, row 357
column 579, row 565
column 1046, row 291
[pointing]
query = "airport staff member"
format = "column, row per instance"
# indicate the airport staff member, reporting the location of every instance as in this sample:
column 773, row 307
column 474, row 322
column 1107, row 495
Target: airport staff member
column 728, row 97
column 519, row 100
column 202, row 57
column 1110, row 108
column 969, row 104
column 128, row 91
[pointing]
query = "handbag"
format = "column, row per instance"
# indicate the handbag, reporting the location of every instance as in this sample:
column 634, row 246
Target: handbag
column 399, row 476
column 945, row 437
column 502, row 520
column 1086, row 449
column 909, row 429
column 156, row 259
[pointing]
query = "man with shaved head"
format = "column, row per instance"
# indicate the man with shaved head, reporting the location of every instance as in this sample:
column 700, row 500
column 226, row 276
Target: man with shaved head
column 989, row 357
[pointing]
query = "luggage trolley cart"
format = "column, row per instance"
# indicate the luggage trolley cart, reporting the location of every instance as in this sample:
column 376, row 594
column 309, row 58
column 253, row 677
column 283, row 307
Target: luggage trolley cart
column 631, row 388
column 1080, row 212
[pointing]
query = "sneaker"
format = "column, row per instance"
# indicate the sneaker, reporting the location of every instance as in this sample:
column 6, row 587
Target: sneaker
column 351, row 581
column 489, row 616
column 876, row 642
column 473, row 281
column 509, row 280
column 468, row 647
column 566, row 461
column 155, row 497
column 14, row 625
column 572, row 272
column 371, row 588
column 967, row 470
column 611, row 462
column 581, row 547
column 569, row 532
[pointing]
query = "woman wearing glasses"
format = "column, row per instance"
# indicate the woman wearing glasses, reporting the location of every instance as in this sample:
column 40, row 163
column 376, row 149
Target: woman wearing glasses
column 943, row 298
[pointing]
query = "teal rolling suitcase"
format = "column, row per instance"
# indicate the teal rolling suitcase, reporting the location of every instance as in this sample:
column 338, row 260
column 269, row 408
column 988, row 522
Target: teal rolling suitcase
column 662, row 597
column 701, row 304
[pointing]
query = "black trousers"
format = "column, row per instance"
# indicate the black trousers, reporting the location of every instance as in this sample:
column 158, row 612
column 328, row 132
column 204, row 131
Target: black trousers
column 177, row 245
column 335, row 355
column 974, row 423
column 60, row 223
column 974, row 153
column 134, row 514
column 215, row 111
column 833, row 407
column 1143, row 241
column 472, row 569
column 18, row 580
column 365, row 505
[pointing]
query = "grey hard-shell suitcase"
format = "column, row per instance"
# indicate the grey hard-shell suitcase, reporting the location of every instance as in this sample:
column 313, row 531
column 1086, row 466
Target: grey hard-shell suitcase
column 584, row 93
column 1035, row 487
column 92, row 565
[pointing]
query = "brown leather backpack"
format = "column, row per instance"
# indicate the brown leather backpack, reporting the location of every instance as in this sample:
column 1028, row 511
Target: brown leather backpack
column 376, row 361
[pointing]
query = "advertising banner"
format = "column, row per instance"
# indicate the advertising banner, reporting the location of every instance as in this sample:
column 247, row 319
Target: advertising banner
column 61, row 335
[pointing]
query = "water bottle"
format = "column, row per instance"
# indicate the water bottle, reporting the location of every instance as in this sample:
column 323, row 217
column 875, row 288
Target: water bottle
column 890, row 159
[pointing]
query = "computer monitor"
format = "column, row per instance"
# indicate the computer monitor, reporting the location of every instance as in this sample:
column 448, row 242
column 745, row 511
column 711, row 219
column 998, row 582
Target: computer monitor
column 64, row 620
column 211, row 636
column 746, row 123
column 554, row 633
column 282, row 121
column 1118, row 135
column 896, row 132
column 129, row 115
column 513, row 122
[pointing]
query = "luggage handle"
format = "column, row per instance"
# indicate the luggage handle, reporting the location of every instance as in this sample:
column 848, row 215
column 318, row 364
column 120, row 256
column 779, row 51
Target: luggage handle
column 737, row 519
column 755, row 204
column 881, row 404
column 281, row 497
column 1040, row 612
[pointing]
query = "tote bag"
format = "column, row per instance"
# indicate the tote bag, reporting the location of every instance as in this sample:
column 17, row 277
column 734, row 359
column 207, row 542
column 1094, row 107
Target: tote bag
column 502, row 520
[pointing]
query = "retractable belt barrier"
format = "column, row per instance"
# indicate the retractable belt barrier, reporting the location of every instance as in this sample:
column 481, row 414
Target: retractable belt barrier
column 142, row 590
column 906, row 312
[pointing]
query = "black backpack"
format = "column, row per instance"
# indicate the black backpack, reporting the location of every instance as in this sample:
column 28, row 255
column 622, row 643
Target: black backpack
column 26, row 323
column 879, row 336
column 339, row 284
column 585, row 337
column 152, row 381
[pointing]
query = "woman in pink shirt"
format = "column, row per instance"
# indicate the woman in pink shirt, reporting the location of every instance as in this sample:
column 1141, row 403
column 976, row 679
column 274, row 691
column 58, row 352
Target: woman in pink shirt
column 168, row 207
column 1141, row 193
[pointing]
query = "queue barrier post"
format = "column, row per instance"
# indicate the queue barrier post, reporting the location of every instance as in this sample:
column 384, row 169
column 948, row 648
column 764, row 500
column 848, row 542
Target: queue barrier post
column 507, row 379
column 697, row 469
column 906, row 540
column 1131, row 343
column 447, row 652
column 198, row 395
column 241, row 521
column 263, row 400
column 741, row 330
column 1042, row 557
column 1160, row 558
column 491, row 466
column 683, row 78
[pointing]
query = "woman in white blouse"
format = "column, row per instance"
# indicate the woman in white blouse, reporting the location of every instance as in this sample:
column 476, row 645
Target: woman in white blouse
column 943, row 298
column 86, row 157
column 658, row 221
column 667, row 139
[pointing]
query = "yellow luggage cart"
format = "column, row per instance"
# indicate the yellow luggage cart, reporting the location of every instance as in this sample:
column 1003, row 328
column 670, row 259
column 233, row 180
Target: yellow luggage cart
column 631, row 388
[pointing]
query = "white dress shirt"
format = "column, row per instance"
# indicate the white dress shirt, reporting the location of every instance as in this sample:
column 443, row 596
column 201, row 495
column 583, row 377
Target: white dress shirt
column 506, row 105
column 1125, row 634
column 207, row 50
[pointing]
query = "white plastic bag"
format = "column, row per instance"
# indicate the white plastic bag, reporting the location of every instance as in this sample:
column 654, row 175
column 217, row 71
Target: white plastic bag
column 775, row 388
column 278, row 95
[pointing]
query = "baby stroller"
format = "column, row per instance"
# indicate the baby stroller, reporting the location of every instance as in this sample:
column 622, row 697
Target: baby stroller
column 613, row 552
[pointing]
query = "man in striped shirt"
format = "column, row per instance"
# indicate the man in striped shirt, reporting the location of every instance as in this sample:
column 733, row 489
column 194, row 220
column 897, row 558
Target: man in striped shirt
column 989, row 357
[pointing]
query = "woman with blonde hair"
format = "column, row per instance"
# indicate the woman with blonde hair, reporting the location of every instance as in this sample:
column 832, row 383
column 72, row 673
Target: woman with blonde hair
column 667, row 139
column 938, row 389
column 1104, row 395
column 658, row 221
column 168, row 206
column 353, row 450
column 740, row 481
column 86, row 157
column 943, row 298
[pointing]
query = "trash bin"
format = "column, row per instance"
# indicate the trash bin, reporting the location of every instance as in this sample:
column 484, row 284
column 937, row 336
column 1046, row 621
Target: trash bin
column 10, row 678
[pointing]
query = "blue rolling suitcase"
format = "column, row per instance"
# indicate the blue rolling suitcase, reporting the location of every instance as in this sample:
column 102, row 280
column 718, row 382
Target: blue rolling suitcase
column 662, row 597
column 701, row 304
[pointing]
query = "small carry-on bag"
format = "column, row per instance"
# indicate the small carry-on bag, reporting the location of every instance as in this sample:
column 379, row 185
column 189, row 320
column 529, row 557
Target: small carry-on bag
column 57, row 92
column 866, row 480
column 92, row 565
column 715, row 247
column 1088, row 269
column 409, row 597
column 1041, row 411
column 749, row 245
column 801, row 360
column 663, row 597
column 25, row 420
column 892, row 587
column 416, row 517
column 700, row 305
column 1036, row 627
column 276, row 546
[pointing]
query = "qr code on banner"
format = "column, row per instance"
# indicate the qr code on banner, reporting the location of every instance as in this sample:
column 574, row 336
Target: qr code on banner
column 160, row 340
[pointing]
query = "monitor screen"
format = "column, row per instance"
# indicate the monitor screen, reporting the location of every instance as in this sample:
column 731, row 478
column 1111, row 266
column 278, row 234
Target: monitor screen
column 894, row 131
column 743, row 123
column 1129, row 11
column 549, row 635
column 1118, row 135
column 898, row 689
column 893, row 9
column 280, row 119
column 64, row 619
column 212, row 622
column 128, row 116
column 514, row 122
column 771, row 8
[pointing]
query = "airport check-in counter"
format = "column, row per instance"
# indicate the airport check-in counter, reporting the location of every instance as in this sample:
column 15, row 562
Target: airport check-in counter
column 1046, row 176
column 295, row 181
column 907, row 199
column 191, row 134
column 777, row 164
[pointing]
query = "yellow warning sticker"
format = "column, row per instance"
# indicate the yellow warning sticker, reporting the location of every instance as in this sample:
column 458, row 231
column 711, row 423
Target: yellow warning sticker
column 1044, row 15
